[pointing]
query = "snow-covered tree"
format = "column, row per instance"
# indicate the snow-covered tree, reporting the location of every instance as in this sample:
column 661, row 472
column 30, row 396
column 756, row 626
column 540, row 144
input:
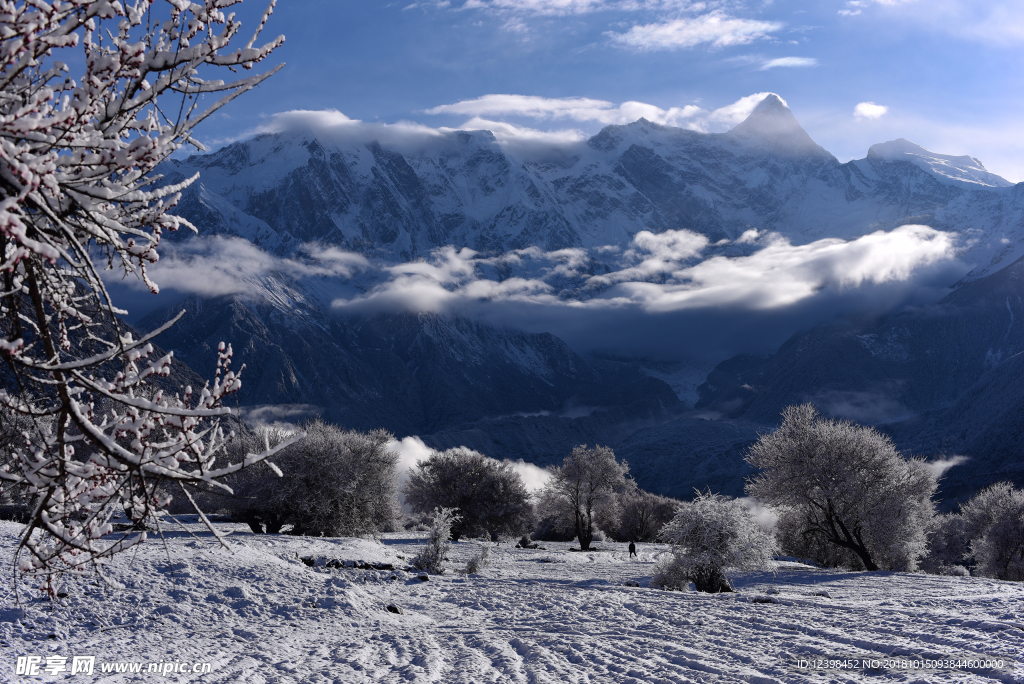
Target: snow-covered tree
column 332, row 483
column 642, row 515
column 489, row 494
column 587, row 479
column 993, row 522
column 847, row 485
column 711, row 535
column 948, row 546
column 78, row 195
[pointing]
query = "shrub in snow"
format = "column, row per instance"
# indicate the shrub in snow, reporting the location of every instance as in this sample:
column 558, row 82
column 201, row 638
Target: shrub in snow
column 994, row 524
column 432, row 556
column 78, row 196
column 588, row 479
column 332, row 483
column 480, row 561
column 711, row 535
column 847, row 485
column 490, row 495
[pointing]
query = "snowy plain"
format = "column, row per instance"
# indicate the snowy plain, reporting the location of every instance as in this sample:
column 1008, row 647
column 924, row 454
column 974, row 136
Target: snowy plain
column 259, row 615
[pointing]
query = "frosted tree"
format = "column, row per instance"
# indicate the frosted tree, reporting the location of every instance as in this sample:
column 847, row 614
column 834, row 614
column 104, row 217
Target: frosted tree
column 78, row 194
column 993, row 524
column 489, row 494
column 587, row 479
column 711, row 535
column 845, row 485
column 642, row 515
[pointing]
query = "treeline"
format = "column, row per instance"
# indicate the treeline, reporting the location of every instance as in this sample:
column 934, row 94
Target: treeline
column 338, row 482
column 841, row 495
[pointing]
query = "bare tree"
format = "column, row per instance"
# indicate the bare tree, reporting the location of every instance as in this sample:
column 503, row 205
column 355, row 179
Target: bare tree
column 846, row 484
column 587, row 478
column 709, row 536
column 489, row 495
column 78, row 194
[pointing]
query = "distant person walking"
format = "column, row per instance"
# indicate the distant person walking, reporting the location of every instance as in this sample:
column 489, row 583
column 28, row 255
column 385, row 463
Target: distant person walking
column 632, row 549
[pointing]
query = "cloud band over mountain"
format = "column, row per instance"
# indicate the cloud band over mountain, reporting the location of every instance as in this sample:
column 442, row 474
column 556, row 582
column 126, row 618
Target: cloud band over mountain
column 666, row 281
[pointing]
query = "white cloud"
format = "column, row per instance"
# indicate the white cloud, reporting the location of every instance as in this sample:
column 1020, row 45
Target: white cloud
column 330, row 122
column 782, row 274
column 534, row 477
column 218, row 266
column 732, row 114
column 509, row 134
column 571, row 7
column 279, row 416
column 869, row 110
column 662, row 273
column 583, row 110
column 574, row 108
column 940, row 466
column 659, row 273
column 665, row 294
column 714, row 28
column 789, row 62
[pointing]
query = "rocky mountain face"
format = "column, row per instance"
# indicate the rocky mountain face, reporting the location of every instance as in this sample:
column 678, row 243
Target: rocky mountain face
column 943, row 380
column 517, row 395
column 418, row 373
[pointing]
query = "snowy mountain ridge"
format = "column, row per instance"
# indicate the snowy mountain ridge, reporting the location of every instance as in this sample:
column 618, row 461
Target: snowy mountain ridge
column 401, row 199
column 962, row 169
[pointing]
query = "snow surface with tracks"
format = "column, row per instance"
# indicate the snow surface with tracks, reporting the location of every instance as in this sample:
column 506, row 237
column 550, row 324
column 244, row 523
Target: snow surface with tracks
column 257, row 614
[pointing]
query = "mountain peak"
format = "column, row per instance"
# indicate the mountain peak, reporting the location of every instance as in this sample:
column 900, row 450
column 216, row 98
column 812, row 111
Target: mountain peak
column 772, row 103
column 945, row 167
column 772, row 124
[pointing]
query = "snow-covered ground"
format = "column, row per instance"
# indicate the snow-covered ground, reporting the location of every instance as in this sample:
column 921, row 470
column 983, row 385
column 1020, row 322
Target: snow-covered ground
column 257, row 614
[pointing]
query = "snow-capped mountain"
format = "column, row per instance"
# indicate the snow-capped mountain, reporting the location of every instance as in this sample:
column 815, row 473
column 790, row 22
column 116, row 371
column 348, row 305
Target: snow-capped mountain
column 518, row 395
column 403, row 199
column 963, row 169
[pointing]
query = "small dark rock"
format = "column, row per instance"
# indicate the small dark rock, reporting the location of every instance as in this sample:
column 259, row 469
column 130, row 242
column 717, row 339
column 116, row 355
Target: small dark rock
column 424, row 578
column 392, row 608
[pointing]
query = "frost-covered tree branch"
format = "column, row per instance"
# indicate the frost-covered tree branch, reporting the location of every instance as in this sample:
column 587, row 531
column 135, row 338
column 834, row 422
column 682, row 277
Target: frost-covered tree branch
column 78, row 194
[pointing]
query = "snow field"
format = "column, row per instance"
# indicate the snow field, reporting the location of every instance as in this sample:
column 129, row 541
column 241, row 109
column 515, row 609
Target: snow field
column 260, row 615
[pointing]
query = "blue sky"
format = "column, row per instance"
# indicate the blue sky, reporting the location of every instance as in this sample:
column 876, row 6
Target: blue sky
column 946, row 74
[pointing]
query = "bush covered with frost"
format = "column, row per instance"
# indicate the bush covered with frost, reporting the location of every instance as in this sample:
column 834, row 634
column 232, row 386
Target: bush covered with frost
column 432, row 556
column 710, row 536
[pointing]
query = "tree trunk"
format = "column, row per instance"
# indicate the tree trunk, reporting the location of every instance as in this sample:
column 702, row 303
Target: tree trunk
column 855, row 543
column 275, row 523
column 584, row 533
